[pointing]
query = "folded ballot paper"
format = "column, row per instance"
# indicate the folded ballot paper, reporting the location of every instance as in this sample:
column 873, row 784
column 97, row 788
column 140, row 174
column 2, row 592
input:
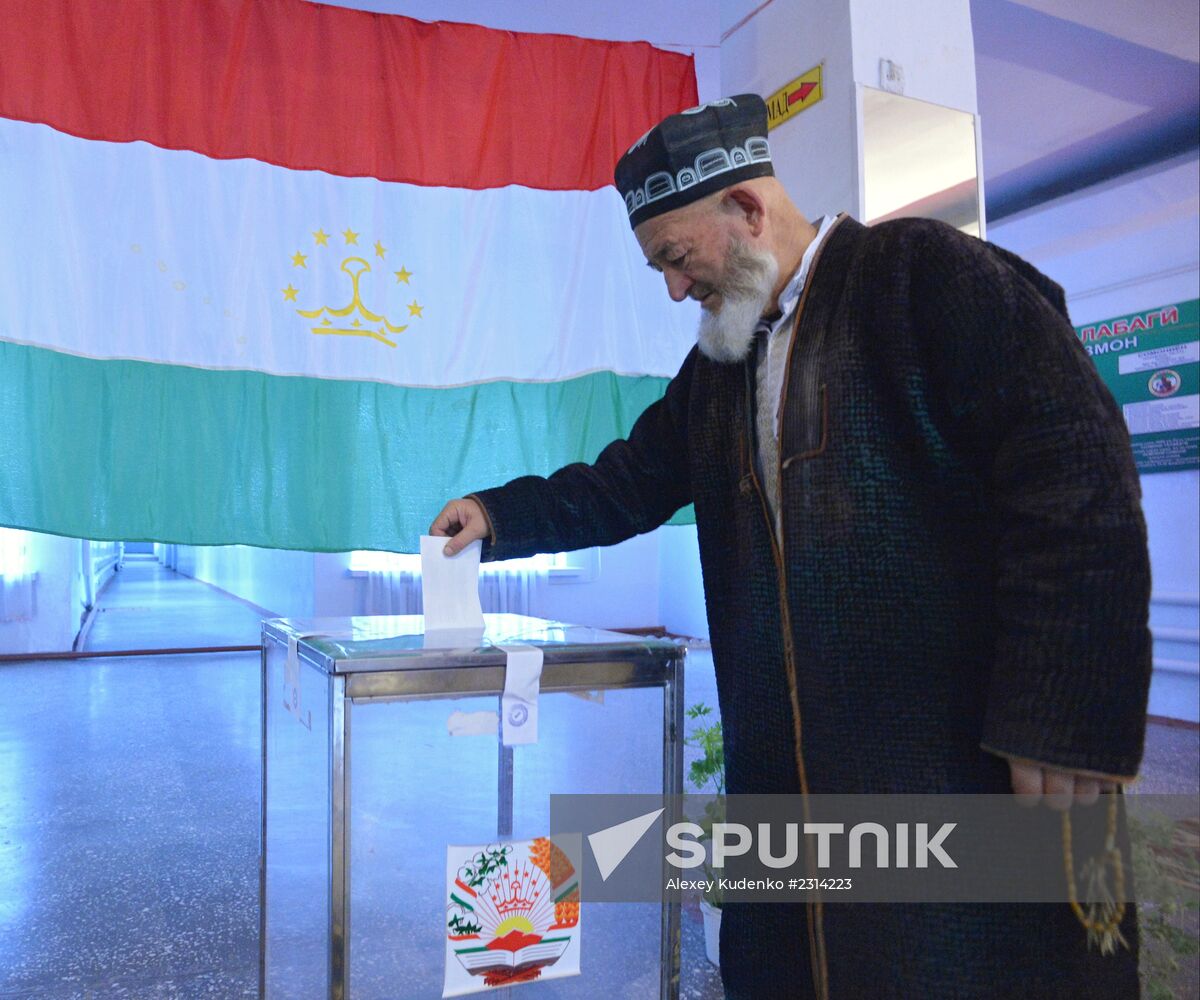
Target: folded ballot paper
column 450, row 589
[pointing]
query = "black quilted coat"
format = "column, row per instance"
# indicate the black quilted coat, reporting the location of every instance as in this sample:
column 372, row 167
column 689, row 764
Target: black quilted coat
column 962, row 576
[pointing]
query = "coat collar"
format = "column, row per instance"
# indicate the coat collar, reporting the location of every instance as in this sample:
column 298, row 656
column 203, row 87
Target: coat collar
column 803, row 429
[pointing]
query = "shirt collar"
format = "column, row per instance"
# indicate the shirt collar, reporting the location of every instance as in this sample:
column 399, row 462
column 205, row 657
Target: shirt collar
column 791, row 291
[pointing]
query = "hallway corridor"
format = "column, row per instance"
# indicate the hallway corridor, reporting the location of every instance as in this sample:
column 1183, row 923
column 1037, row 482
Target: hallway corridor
column 147, row 606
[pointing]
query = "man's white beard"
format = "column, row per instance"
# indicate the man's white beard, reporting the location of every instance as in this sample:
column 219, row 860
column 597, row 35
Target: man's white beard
column 750, row 277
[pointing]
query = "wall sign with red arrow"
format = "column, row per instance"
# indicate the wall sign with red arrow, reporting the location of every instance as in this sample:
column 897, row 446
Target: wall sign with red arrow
column 794, row 97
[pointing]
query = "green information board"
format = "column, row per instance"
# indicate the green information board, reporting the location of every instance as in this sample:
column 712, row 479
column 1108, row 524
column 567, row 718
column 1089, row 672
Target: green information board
column 1150, row 361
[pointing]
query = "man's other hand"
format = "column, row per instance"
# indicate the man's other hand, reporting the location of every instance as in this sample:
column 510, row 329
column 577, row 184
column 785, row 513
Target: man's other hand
column 462, row 521
column 1033, row 783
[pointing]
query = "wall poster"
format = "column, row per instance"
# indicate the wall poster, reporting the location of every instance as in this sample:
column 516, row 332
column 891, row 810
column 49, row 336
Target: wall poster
column 1150, row 362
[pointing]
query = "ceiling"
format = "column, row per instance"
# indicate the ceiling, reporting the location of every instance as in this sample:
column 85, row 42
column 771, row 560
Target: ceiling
column 1072, row 93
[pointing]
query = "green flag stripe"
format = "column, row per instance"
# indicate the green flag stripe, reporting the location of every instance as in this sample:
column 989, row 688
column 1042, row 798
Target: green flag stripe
column 134, row 450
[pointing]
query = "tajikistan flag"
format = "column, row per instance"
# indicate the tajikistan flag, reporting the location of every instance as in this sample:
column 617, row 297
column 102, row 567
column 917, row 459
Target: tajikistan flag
column 291, row 275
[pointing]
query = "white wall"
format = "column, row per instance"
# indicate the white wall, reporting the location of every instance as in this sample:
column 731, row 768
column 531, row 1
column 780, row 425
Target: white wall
column 931, row 41
column 336, row 594
column 79, row 582
column 278, row 581
column 815, row 153
column 104, row 557
column 1117, row 248
column 623, row 595
column 58, row 605
column 680, row 583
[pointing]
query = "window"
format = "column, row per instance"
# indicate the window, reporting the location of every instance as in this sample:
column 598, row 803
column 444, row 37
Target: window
column 575, row 567
column 580, row 566
column 14, row 556
column 396, row 562
column 16, row 577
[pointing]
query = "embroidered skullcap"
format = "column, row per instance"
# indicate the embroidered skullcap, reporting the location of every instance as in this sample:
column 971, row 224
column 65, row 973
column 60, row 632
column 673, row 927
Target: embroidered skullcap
column 694, row 153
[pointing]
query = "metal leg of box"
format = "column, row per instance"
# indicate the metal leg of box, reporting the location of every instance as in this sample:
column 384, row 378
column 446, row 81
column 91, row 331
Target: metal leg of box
column 262, row 837
column 504, row 792
column 504, row 803
column 339, row 721
column 673, row 787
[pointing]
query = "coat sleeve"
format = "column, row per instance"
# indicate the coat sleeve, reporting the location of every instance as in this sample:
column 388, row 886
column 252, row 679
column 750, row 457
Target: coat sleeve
column 634, row 485
column 1072, row 665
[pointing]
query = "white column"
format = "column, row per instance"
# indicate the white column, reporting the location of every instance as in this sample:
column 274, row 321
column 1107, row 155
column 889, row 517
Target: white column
column 859, row 149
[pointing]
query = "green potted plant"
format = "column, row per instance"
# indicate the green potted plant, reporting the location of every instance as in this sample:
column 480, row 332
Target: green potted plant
column 706, row 773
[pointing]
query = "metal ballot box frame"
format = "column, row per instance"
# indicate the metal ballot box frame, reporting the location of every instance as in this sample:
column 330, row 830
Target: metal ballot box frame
column 370, row 769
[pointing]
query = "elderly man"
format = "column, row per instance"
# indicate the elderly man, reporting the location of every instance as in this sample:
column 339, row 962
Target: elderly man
column 924, row 559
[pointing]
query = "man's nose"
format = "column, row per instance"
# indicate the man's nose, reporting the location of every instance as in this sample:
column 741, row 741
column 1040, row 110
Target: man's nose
column 678, row 284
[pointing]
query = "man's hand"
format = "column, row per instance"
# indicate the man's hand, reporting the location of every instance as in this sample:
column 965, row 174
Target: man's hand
column 1032, row 782
column 462, row 521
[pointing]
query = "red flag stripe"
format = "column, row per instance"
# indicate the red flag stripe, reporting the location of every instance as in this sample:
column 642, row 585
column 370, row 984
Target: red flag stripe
column 349, row 92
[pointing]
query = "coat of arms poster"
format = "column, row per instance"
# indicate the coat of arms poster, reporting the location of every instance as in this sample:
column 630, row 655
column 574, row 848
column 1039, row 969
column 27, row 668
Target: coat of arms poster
column 512, row 915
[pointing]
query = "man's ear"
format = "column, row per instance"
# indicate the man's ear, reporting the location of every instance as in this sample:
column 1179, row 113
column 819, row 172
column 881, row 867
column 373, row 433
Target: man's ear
column 746, row 202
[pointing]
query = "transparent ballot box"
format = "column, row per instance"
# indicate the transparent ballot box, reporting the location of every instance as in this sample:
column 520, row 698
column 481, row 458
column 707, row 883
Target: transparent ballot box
column 381, row 750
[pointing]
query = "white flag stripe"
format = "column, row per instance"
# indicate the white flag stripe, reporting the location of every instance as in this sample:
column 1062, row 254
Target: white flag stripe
column 125, row 250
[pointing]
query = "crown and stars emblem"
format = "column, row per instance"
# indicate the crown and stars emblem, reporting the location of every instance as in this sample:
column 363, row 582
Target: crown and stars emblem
column 512, row 911
column 355, row 319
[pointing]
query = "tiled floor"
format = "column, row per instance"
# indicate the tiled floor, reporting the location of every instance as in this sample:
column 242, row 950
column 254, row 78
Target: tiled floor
column 129, row 808
column 129, row 792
